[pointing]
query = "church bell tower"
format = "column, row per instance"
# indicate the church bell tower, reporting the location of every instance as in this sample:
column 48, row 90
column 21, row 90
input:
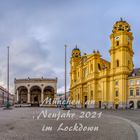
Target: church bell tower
column 121, row 51
column 121, row 65
column 75, row 58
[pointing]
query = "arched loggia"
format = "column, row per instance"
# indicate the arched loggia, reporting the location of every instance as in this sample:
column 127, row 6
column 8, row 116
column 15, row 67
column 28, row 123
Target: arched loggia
column 49, row 92
column 35, row 97
column 22, row 91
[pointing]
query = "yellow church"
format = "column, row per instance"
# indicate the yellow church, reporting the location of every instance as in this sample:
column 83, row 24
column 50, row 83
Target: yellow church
column 98, row 83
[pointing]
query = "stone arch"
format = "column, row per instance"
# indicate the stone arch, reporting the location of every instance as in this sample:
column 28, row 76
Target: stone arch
column 35, row 95
column 22, row 91
column 131, row 104
column 49, row 92
column 138, row 104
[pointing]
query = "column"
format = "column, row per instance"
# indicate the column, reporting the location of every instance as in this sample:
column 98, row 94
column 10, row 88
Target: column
column 94, row 88
column 28, row 97
column 78, row 105
column 17, row 96
column 111, row 93
column 42, row 96
column 135, row 104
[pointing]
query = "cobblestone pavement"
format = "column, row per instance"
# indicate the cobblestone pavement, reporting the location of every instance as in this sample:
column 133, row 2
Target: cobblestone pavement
column 22, row 124
column 133, row 115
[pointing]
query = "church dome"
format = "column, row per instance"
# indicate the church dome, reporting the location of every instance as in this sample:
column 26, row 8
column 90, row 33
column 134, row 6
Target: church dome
column 121, row 25
column 76, row 52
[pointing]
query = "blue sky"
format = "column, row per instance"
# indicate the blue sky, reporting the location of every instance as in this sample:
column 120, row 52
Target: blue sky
column 36, row 31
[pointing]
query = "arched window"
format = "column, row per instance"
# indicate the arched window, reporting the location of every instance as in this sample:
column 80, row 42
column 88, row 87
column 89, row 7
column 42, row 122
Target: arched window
column 117, row 62
column 99, row 67
column 128, row 63
column 117, row 43
column 128, row 42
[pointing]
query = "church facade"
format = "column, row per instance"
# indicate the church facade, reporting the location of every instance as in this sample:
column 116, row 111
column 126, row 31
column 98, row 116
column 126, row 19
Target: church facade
column 98, row 83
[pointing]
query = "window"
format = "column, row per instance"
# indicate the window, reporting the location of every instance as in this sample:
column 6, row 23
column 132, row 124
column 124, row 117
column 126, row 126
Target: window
column 131, row 82
column 99, row 67
column 117, row 43
column 131, row 92
column 117, row 63
column 117, row 93
column 138, row 82
column 128, row 42
column 137, row 92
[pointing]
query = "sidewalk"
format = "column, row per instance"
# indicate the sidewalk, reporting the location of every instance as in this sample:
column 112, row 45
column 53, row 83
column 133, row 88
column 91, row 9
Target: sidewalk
column 1, row 108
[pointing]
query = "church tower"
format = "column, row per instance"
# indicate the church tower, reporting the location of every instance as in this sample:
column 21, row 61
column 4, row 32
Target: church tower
column 121, row 54
column 75, row 58
column 121, row 51
column 74, row 62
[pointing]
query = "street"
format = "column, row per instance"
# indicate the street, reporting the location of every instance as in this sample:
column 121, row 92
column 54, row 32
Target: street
column 36, row 123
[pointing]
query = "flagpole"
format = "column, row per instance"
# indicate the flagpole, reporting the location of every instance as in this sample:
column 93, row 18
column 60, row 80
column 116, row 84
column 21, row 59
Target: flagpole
column 65, row 72
column 65, row 104
column 8, row 76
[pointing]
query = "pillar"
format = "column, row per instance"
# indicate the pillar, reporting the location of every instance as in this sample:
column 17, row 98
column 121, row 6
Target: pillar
column 135, row 104
column 17, row 96
column 28, row 97
column 111, row 92
column 42, row 96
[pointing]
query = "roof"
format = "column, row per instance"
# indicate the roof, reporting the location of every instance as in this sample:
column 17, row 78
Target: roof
column 105, row 60
column 135, row 72
column 121, row 20
column 35, row 79
column 76, row 48
column 121, row 25
column 4, row 90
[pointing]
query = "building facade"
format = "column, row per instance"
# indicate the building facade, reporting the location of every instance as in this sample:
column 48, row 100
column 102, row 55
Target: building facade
column 134, row 89
column 34, row 91
column 98, row 83
column 4, row 97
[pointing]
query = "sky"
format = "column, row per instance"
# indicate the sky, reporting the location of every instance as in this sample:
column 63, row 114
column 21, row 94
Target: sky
column 37, row 30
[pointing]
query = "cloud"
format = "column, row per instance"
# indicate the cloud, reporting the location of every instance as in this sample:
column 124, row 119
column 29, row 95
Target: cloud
column 36, row 32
